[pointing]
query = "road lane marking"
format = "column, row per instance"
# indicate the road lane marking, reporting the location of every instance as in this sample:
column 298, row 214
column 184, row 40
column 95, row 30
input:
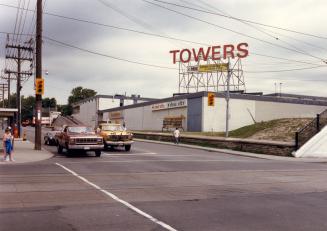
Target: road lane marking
column 133, row 161
column 131, row 154
column 114, row 197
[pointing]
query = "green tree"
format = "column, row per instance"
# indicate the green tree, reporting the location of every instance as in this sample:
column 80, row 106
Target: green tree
column 49, row 103
column 65, row 109
column 28, row 105
column 80, row 93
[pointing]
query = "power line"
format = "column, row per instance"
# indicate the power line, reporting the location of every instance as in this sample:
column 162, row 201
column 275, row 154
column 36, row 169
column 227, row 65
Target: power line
column 244, row 20
column 286, row 70
column 148, row 34
column 108, row 56
column 261, row 30
column 236, row 32
column 164, row 67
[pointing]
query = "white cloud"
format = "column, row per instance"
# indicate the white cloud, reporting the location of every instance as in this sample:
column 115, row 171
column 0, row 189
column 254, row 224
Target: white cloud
column 69, row 68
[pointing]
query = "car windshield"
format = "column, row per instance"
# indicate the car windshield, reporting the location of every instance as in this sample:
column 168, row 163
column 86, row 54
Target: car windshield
column 80, row 130
column 112, row 128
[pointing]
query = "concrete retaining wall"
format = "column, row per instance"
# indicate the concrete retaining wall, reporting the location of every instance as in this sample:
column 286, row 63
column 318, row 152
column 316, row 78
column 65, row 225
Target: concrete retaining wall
column 245, row 145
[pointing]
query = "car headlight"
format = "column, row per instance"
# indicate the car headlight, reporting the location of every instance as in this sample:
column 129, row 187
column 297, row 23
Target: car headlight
column 100, row 141
column 72, row 141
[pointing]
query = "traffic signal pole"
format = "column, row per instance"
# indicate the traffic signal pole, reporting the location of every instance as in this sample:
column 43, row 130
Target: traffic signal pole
column 227, row 99
column 38, row 75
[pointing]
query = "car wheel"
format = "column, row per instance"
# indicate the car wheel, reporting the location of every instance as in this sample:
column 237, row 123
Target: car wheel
column 97, row 153
column 59, row 149
column 127, row 148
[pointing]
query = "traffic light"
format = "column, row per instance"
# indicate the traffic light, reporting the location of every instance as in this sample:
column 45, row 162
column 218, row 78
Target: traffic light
column 39, row 86
column 211, row 99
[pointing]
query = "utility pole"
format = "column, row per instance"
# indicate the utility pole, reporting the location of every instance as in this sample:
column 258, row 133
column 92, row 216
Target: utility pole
column 8, row 90
column 19, row 74
column 227, row 98
column 3, row 95
column 280, row 89
column 38, row 75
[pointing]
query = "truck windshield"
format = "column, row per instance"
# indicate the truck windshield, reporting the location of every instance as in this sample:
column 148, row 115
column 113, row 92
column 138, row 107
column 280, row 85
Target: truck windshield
column 112, row 128
column 80, row 130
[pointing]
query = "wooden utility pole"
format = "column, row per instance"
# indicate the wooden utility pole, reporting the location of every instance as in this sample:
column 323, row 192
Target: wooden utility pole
column 38, row 75
column 19, row 74
column 8, row 91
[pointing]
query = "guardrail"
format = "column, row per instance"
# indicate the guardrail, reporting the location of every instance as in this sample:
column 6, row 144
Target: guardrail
column 311, row 129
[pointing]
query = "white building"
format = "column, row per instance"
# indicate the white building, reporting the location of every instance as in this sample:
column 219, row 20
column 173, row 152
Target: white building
column 86, row 110
column 245, row 109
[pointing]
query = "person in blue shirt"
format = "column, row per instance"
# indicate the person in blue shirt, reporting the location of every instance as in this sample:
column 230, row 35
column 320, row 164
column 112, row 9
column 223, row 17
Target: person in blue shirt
column 7, row 140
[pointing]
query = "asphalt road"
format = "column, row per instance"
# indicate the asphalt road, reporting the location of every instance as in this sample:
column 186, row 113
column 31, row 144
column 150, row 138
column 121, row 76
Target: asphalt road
column 162, row 187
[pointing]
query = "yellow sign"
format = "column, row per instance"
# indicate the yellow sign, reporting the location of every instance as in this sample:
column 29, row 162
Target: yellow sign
column 211, row 99
column 213, row 67
column 39, row 86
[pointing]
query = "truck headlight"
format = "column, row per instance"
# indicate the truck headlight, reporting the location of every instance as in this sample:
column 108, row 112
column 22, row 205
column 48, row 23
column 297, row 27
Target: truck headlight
column 100, row 141
column 72, row 141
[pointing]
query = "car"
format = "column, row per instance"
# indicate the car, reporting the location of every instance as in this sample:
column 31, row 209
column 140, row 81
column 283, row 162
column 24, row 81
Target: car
column 79, row 138
column 114, row 135
column 50, row 138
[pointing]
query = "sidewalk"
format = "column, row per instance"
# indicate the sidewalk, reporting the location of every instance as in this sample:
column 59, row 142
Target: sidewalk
column 238, row 153
column 24, row 153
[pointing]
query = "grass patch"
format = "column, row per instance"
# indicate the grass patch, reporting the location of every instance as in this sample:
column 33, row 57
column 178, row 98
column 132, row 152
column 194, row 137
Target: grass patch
column 250, row 130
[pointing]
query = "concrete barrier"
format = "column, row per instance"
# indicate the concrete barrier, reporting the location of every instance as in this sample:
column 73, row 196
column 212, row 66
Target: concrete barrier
column 246, row 145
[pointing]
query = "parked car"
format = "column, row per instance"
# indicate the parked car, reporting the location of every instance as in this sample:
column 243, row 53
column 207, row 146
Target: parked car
column 114, row 135
column 50, row 137
column 80, row 138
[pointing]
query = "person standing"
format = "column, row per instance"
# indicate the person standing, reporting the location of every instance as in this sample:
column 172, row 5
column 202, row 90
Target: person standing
column 7, row 140
column 176, row 136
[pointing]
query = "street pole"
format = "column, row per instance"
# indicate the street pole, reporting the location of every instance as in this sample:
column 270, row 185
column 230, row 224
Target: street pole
column 18, row 120
column 38, row 75
column 8, row 90
column 3, row 95
column 227, row 99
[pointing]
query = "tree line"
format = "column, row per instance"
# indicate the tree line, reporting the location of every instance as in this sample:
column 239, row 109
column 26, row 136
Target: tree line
column 28, row 103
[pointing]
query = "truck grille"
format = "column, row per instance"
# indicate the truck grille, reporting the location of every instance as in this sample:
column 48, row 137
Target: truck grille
column 118, row 138
column 86, row 141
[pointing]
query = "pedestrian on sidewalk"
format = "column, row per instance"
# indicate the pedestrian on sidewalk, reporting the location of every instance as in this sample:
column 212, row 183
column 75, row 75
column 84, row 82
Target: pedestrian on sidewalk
column 176, row 136
column 7, row 143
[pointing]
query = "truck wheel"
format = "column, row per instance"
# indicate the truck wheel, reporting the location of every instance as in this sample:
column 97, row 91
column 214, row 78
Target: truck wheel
column 97, row 153
column 69, row 152
column 127, row 148
column 59, row 149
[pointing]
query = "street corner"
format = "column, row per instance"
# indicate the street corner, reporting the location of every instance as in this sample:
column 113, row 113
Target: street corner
column 24, row 152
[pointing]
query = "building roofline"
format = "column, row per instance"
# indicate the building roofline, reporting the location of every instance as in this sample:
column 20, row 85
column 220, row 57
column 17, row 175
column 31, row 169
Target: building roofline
column 110, row 97
column 264, row 98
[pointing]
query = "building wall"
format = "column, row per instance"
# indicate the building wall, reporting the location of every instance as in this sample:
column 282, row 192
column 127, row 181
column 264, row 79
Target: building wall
column 87, row 113
column 194, row 114
column 201, row 117
column 143, row 118
column 105, row 103
column 274, row 110
column 214, row 117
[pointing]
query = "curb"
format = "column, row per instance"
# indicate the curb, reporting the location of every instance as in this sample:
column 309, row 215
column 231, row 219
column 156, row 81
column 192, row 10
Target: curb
column 238, row 153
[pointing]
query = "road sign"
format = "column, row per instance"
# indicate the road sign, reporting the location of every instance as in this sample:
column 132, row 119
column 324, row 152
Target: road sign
column 39, row 86
column 211, row 99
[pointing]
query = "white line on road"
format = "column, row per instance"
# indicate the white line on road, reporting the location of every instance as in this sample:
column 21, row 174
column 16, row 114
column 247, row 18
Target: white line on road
column 134, row 154
column 114, row 197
